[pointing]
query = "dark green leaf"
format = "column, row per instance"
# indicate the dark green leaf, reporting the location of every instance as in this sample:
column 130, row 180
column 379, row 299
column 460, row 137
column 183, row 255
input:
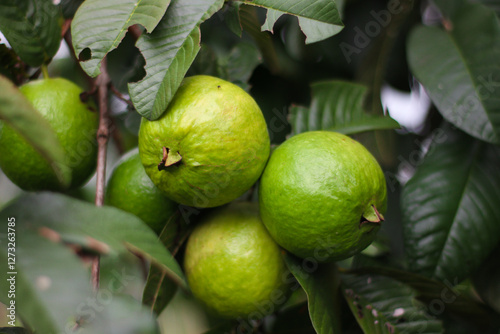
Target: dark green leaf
column 69, row 7
column 13, row 330
column 320, row 283
column 100, row 25
column 18, row 112
column 169, row 51
column 487, row 280
column 51, row 282
column 383, row 305
column 32, row 29
column 450, row 207
column 232, row 17
column 251, row 24
column 293, row 320
column 448, row 8
column 223, row 328
column 439, row 296
column 239, row 65
column 493, row 4
column 462, row 82
column 8, row 64
column 107, row 230
column 337, row 106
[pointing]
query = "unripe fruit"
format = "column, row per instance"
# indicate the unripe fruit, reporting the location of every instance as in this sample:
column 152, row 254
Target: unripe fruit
column 75, row 124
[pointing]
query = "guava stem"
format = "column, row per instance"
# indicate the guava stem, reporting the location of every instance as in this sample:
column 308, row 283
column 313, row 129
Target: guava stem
column 45, row 71
column 169, row 158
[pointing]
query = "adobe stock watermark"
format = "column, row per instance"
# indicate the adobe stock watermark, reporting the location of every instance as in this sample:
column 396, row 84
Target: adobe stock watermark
column 373, row 28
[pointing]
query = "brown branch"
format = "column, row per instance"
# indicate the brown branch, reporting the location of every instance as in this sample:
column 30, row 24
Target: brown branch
column 102, row 83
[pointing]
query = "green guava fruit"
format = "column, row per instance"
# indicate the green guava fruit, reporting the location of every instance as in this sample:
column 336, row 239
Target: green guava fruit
column 75, row 124
column 234, row 266
column 322, row 195
column 129, row 188
column 210, row 145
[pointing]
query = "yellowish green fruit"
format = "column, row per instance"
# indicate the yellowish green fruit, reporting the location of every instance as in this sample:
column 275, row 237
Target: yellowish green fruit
column 130, row 189
column 234, row 266
column 322, row 195
column 210, row 145
column 75, row 124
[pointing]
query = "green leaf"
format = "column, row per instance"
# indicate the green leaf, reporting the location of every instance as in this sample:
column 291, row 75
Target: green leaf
column 18, row 112
column 450, row 207
column 315, row 31
column 271, row 17
column 318, row 10
column 100, row 25
column 121, row 314
column 462, row 82
column 337, row 106
column 383, row 305
column 32, row 29
column 51, row 282
column 169, row 51
column 105, row 229
column 320, row 283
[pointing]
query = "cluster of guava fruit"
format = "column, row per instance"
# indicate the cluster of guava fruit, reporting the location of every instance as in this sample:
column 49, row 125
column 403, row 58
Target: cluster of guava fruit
column 322, row 195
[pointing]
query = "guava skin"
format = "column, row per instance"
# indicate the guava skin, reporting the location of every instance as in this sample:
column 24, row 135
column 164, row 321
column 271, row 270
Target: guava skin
column 75, row 124
column 209, row 147
column 129, row 188
column 233, row 265
column 322, row 195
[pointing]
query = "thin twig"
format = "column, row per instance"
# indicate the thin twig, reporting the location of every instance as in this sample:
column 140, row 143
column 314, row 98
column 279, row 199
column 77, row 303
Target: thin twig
column 102, row 82
column 121, row 96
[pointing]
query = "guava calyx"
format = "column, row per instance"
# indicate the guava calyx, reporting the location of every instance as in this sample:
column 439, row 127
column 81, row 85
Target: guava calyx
column 170, row 158
column 371, row 215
